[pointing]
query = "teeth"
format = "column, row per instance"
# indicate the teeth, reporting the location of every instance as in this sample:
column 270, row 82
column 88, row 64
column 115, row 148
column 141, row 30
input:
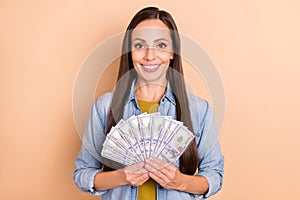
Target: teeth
column 150, row 66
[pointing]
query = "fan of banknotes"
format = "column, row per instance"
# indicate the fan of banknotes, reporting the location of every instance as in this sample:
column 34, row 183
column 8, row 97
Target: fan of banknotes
column 147, row 135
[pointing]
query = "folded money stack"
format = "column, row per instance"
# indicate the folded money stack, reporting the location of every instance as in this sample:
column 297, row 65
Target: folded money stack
column 147, row 135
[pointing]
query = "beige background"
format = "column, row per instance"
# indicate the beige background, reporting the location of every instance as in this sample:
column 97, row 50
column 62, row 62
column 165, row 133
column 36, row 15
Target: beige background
column 254, row 44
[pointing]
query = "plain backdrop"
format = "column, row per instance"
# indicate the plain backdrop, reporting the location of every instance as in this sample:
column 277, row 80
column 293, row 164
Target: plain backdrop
column 254, row 45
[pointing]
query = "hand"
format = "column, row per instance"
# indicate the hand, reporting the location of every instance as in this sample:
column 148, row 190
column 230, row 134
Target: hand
column 135, row 175
column 164, row 173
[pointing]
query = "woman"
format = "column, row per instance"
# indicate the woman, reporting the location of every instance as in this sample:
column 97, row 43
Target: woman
column 150, row 79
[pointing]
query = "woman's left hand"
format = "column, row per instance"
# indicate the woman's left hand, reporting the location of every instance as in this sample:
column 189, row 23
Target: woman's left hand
column 164, row 173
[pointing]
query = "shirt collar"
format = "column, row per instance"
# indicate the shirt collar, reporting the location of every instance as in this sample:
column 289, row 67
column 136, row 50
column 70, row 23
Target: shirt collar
column 167, row 96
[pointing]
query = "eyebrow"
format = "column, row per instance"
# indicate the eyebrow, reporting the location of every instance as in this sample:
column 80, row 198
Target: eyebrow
column 153, row 41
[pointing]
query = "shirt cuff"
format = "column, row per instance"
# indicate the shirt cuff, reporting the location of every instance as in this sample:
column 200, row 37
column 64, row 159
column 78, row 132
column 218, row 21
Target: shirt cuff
column 89, row 184
column 213, row 185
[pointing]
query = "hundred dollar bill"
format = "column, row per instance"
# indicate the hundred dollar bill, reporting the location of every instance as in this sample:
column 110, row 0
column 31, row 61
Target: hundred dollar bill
column 146, row 130
column 157, row 131
column 169, row 129
column 176, row 144
column 115, row 156
column 118, row 151
column 130, row 129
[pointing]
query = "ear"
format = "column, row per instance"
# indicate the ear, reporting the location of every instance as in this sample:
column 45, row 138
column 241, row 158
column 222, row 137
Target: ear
column 171, row 57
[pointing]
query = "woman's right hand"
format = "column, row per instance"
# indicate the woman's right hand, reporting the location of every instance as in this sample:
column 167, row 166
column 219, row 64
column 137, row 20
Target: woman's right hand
column 135, row 175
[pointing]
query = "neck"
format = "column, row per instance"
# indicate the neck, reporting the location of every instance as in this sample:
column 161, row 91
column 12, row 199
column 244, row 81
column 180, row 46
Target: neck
column 151, row 92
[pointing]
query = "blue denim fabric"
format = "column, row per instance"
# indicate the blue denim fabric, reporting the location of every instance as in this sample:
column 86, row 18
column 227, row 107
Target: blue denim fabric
column 211, row 160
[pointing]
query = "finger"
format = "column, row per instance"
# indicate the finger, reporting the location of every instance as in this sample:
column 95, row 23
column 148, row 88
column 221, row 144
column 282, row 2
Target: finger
column 161, row 176
column 166, row 172
column 154, row 165
column 156, row 170
column 157, row 163
column 163, row 171
column 137, row 168
column 136, row 177
column 157, row 178
column 140, row 180
column 160, row 161
column 169, row 169
column 140, row 171
column 149, row 167
column 143, row 180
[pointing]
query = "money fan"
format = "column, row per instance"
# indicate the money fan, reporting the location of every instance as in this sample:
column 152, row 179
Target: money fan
column 133, row 140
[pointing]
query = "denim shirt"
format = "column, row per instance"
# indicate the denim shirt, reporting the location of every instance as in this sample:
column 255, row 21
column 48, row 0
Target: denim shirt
column 211, row 160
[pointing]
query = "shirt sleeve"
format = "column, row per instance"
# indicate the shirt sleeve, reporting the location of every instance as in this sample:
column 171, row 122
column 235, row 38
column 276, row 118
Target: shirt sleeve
column 86, row 169
column 211, row 164
column 88, row 162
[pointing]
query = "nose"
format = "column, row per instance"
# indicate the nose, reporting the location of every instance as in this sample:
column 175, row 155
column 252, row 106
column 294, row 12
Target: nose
column 150, row 54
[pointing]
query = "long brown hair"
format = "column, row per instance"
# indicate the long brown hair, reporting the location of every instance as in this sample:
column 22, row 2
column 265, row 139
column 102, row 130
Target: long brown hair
column 189, row 159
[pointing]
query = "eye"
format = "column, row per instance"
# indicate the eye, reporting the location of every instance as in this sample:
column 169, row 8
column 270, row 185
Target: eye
column 139, row 46
column 161, row 45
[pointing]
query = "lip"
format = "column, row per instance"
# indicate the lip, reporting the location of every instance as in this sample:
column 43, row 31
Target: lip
column 150, row 68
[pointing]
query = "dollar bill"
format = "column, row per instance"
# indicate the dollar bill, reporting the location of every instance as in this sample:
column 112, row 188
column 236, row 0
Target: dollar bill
column 133, row 140
column 176, row 144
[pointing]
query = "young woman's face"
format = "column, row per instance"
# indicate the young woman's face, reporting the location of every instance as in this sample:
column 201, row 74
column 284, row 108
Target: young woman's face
column 151, row 50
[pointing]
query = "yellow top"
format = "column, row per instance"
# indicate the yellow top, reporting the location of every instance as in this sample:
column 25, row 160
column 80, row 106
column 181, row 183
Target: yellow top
column 147, row 191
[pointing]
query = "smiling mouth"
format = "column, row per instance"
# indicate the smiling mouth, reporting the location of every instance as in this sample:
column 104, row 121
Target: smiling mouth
column 150, row 68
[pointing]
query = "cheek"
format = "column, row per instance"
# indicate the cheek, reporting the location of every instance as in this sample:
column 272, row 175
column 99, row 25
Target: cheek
column 165, row 62
column 165, row 57
column 135, row 57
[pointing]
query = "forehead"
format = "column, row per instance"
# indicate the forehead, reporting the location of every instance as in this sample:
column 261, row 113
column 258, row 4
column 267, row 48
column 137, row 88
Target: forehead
column 151, row 29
